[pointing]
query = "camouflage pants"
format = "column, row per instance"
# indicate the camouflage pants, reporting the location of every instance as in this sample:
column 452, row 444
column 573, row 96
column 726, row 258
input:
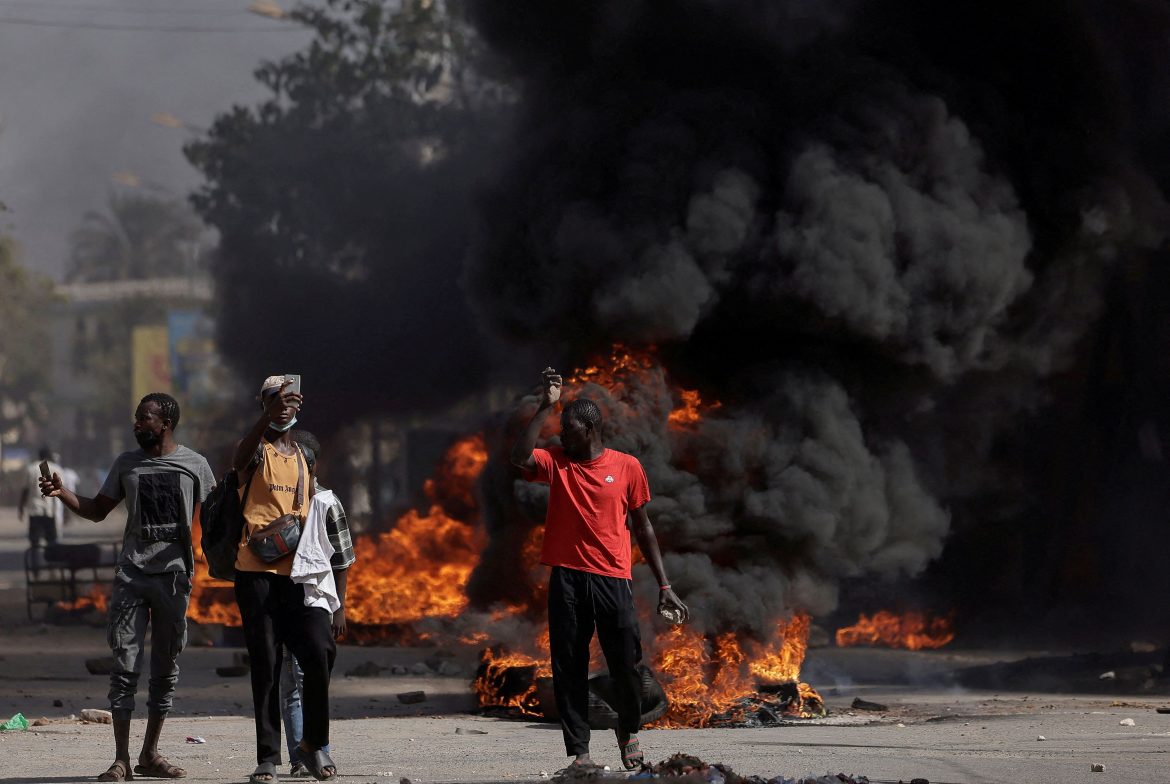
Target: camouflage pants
column 138, row 600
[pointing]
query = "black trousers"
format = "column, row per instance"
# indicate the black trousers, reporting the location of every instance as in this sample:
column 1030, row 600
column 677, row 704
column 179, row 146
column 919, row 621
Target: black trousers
column 42, row 527
column 578, row 602
column 273, row 611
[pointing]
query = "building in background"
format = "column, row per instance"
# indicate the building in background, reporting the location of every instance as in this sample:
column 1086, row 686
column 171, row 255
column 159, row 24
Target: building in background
column 115, row 341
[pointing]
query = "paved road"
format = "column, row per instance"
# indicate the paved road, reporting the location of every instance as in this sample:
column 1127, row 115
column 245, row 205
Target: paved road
column 946, row 735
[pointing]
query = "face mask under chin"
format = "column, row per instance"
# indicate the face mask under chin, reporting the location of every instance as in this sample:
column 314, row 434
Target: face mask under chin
column 282, row 428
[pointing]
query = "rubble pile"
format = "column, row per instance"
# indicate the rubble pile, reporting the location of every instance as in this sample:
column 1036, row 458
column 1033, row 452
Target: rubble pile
column 688, row 769
column 771, row 706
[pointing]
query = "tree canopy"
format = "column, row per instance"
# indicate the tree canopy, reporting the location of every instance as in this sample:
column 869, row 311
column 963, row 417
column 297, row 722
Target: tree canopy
column 343, row 204
column 25, row 367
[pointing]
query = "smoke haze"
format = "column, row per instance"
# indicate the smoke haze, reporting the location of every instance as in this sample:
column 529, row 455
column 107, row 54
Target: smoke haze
column 77, row 92
column 874, row 232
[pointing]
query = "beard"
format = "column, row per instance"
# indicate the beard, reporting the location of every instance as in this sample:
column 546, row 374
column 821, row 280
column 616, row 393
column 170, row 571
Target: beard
column 147, row 439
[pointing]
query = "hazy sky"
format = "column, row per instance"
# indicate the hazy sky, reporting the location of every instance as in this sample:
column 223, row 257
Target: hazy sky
column 76, row 100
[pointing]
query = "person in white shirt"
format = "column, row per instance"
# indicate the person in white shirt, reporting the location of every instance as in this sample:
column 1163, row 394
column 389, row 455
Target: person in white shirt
column 43, row 512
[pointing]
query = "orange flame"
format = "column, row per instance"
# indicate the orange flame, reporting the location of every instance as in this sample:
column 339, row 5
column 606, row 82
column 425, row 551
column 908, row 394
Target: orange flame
column 912, row 630
column 417, row 570
column 704, row 678
column 97, row 599
column 689, row 412
column 608, row 372
column 460, row 466
column 492, row 687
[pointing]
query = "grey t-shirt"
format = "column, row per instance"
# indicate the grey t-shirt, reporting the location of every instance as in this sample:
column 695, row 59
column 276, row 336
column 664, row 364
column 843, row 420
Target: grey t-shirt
column 160, row 495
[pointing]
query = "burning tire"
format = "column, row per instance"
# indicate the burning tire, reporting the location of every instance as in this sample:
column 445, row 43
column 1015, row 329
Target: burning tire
column 602, row 716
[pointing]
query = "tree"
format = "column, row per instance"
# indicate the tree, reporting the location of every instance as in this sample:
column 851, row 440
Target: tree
column 25, row 367
column 140, row 237
column 345, row 198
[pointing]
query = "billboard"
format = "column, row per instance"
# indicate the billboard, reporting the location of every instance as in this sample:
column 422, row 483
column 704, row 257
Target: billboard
column 150, row 363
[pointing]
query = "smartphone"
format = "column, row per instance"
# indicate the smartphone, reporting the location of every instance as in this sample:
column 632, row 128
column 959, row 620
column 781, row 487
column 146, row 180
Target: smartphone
column 45, row 472
column 294, row 380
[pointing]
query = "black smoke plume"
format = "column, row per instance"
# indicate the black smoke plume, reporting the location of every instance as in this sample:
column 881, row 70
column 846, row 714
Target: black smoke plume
column 878, row 233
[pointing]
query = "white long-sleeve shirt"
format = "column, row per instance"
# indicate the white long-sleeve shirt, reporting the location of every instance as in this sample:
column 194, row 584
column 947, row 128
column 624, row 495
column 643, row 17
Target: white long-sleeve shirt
column 311, row 562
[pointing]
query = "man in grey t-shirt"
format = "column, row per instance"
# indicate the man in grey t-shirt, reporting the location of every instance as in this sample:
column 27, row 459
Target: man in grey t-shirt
column 163, row 484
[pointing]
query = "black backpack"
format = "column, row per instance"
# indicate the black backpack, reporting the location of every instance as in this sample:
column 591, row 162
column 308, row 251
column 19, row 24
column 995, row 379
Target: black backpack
column 222, row 521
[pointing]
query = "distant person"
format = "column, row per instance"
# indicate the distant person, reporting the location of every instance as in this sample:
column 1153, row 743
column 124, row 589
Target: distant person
column 70, row 479
column 593, row 491
column 275, row 482
column 43, row 512
column 291, row 675
column 163, row 484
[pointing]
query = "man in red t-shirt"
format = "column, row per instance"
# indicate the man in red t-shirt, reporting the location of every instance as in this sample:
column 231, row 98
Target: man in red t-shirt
column 592, row 492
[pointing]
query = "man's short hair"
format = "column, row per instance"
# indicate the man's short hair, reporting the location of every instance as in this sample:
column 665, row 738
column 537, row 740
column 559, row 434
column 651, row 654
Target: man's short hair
column 584, row 411
column 309, row 444
column 168, row 407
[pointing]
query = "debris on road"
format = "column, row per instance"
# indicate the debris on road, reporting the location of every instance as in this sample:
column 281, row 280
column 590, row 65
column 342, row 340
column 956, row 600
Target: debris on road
column 366, row 670
column 412, row 697
column 1127, row 722
column 866, row 705
column 464, row 731
column 232, row 671
column 17, row 722
column 103, row 665
column 195, row 739
column 1096, row 768
column 97, row 716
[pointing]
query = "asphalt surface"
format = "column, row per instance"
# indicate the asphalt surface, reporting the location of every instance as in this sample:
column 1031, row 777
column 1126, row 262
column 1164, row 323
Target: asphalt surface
column 932, row 730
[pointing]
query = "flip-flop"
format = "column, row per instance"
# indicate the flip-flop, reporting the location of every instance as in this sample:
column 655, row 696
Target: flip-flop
column 160, row 768
column 119, row 771
column 263, row 769
column 632, row 757
column 316, row 762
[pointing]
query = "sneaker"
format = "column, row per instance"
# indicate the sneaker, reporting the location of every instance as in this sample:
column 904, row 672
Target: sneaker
column 299, row 770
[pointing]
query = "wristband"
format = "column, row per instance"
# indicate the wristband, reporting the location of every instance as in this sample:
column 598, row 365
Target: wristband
column 663, row 587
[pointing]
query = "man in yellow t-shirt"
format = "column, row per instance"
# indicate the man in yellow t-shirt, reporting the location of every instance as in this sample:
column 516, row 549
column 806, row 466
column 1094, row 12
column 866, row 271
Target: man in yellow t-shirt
column 275, row 480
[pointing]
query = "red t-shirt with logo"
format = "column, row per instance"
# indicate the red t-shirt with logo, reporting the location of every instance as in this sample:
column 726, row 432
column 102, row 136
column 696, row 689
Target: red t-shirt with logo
column 585, row 527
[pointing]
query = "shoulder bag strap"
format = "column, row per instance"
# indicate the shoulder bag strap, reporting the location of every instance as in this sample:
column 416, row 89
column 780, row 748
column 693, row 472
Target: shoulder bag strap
column 300, row 477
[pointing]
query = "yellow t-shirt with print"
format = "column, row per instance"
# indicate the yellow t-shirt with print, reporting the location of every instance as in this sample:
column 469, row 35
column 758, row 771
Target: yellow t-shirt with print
column 271, row 495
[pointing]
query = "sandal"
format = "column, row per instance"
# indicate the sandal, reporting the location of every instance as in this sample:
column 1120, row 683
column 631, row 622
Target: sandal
column 265, row 773
column 119, row 771
column 160, row 768
column 317, row 761
column 632, row 757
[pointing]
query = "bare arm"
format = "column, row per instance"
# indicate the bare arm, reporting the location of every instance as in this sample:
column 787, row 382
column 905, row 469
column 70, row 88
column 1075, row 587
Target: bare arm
column 648, row 543
column 247, row 447
column 550, row 394
column 339, row 577
column 94, row 509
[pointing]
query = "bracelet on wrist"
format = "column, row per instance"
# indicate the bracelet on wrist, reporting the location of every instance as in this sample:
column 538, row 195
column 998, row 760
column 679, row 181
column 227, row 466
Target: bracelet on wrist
column 664, row 587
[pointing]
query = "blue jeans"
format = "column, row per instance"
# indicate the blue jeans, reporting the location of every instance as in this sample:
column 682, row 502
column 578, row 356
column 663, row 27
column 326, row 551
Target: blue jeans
column 291, row 678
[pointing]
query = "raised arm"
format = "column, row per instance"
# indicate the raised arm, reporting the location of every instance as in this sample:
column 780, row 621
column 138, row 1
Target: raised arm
column 272, row 409
column 526, row 442
column 648, row 544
